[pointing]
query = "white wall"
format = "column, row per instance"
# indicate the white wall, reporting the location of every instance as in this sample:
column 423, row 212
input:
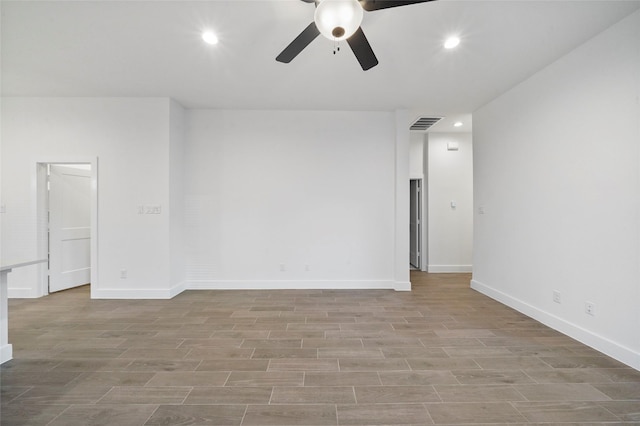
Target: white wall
column 450, row 178
column 402, row 142
column 241, row 193
column 130, row 139
column 416, row 155
column 312, row 193
column 417, row 170
column 557, row 163
column 176, row 197
column 448, row 234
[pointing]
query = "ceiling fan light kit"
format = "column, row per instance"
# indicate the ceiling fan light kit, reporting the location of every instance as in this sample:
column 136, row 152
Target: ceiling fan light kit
column 340, row 20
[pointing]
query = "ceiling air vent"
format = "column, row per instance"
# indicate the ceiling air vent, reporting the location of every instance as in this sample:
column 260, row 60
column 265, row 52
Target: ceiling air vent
column 423, row 123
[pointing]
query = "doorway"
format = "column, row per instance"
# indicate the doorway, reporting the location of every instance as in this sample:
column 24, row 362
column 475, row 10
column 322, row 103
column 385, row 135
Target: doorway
column 67, row 221
column 415, row 223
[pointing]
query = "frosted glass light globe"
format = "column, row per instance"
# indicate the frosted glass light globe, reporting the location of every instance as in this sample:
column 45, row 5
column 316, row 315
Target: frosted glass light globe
column 338, row 19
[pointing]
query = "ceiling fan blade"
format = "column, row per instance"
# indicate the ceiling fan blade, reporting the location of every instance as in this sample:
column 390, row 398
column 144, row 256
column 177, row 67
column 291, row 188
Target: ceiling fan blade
column 299, row 43
column 371, row 5
column 362, row 49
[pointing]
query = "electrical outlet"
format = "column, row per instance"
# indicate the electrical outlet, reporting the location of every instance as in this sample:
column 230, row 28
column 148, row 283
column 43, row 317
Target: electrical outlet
column 123, row 274
column 590, row 308
column 556, row 296
column 282, row 267
column 307, row 268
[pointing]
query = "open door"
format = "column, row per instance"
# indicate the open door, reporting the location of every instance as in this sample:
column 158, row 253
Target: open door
column 69, row 227
column 415, row 230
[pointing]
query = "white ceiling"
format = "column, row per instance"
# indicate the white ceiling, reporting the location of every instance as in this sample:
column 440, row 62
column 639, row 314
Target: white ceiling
column 154, row 49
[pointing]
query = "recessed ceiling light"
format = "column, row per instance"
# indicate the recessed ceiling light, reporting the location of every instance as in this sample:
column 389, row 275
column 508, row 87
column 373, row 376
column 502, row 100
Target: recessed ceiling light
column 451, row 42
column 209, row 37
column 457, row 124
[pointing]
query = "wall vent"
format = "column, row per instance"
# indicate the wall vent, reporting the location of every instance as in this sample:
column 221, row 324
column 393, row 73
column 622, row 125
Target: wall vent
column 423, row 123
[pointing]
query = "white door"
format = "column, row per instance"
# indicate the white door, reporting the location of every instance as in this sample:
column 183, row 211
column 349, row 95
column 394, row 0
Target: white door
column 415, row 231
column 69, row 227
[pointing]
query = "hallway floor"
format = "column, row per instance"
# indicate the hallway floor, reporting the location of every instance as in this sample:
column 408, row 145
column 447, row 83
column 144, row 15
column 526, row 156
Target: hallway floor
column 441, row 354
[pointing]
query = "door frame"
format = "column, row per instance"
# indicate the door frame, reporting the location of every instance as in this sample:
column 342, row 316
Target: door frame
column 424, row 222
column 42, row 210
column 418, row 233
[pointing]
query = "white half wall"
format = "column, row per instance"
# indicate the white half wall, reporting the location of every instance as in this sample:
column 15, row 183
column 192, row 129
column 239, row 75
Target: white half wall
column 130, row 138
column 557, row 176
column 291, row 199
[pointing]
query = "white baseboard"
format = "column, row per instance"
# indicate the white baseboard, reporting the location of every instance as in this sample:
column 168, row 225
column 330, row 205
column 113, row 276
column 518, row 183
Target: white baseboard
column 289, row 285
column 443, row 269
column 6, row 353
column 135, row 293
column 600, row 343
column 177, row 289
column 248, row 285
column 402, row 286
column 20, row 293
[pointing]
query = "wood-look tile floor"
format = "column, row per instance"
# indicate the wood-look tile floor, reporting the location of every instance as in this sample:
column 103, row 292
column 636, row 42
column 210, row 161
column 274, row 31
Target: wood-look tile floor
column 441, row 354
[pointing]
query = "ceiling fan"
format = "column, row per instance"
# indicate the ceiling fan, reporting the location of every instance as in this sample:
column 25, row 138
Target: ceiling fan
column 340, row 20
